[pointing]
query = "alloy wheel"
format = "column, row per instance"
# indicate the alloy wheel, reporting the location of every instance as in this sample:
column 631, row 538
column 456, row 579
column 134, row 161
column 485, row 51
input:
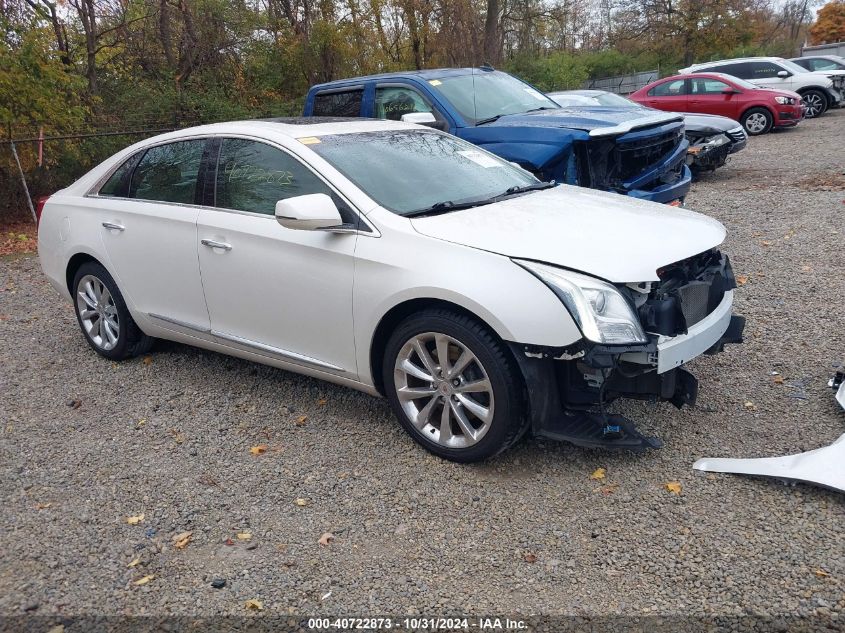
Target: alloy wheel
column 756, row 122
column 97, row 312
column 814, row 103
column 444, row 390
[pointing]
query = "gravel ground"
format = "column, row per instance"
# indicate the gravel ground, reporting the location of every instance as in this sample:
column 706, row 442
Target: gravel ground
column 86, row 443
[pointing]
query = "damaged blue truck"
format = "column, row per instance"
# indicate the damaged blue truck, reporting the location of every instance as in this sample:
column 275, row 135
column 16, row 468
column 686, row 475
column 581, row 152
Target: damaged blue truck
column 624, row 152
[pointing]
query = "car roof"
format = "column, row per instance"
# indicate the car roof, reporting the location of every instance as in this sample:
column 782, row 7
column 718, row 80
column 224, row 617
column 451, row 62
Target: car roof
column 292, row 127
column 580, row 93
column 836, row 58
column 737, row 60
column 693, row 75
column 432, row 73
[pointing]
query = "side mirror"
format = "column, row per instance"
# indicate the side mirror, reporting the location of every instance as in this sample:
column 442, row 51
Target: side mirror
column 730, row 91
column 311, row 212
column 424, row 118
column 784, row 74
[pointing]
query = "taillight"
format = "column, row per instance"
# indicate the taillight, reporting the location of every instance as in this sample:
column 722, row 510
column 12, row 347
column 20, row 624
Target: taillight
column 40, row 201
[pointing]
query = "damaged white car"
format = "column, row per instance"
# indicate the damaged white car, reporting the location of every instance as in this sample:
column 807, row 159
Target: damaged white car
column 401, row 261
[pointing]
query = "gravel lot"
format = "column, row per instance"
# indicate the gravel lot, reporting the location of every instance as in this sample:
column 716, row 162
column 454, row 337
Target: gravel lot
column 86, row 443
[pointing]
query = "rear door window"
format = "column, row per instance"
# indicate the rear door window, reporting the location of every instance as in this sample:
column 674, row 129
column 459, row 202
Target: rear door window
column 707, row 86
column 341, row 103
column 739, row 69
column 674, row 88
column 118, row 183
column 168, row 173
column 764, row 70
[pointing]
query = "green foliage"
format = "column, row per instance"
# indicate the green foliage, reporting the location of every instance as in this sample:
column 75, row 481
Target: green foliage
column 35, row 87
column 558, row 71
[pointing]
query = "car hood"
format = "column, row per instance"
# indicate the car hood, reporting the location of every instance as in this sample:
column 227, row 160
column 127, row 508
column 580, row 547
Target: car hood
column 606, row 235
column 779, row 92
column 588, row 118
column 709, row 123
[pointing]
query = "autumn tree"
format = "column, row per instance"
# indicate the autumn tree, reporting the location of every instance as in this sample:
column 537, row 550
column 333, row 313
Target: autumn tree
column 830, row 24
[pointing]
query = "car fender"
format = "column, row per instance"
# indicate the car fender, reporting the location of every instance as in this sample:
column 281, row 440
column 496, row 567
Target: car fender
column 408, row 266
column 536, row 148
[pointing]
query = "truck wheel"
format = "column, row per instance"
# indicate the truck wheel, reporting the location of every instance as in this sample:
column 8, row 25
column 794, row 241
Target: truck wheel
column 453, row 386
column 757, row 121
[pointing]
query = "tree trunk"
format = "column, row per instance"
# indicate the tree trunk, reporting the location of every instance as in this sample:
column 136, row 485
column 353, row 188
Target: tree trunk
column 491, row 33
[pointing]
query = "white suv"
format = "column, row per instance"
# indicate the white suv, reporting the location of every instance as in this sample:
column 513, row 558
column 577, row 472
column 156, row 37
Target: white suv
column 817, row 89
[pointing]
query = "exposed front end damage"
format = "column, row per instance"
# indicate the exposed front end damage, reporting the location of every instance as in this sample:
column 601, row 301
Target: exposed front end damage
column 686, row 313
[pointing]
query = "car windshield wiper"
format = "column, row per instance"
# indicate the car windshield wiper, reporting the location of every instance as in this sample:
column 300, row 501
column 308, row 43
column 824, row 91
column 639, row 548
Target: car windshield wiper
column 537, row 186
column 448, row 205
column 542, row 108
column 489, row 119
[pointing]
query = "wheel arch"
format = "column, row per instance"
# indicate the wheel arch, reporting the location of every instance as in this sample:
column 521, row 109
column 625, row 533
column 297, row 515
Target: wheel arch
column 74, row 264
column 757, row 106
column 827, row 98
column 396, row 315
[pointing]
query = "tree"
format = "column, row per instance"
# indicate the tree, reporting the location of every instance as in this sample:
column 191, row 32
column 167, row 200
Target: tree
column 830, row 25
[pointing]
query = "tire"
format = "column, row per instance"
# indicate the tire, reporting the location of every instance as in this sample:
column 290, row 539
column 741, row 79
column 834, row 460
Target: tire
column 815, row 101
column 757, row 121
column 479, row 423
column 103, row 317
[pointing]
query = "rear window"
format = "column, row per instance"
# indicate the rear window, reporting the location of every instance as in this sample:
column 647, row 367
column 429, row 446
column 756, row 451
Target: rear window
column 343, row 103
column 118, row 183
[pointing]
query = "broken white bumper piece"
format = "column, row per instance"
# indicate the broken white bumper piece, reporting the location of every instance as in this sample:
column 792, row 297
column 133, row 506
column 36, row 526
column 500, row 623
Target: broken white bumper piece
column 823, row 466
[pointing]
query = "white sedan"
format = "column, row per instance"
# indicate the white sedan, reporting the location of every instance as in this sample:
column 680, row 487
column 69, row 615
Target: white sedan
column 401, row 261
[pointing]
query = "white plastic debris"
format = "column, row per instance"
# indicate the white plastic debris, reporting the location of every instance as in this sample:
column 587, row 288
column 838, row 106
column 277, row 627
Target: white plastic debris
column 823, row 466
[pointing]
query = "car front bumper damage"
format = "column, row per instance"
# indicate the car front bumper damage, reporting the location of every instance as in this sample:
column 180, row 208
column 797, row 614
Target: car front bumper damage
column 569, row 389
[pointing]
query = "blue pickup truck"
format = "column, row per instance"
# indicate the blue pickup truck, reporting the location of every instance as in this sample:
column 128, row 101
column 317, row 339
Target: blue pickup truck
column 627, row 152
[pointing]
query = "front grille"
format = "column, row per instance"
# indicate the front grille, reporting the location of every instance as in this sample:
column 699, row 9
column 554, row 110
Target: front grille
column 737, row 135
column 635, row 157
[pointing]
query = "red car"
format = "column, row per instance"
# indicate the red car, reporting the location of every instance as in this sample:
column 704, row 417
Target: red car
column 758, row 109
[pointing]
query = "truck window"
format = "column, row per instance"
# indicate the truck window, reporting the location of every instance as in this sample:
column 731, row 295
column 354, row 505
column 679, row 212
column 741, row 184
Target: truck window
column 338, row 103
column 394, row 101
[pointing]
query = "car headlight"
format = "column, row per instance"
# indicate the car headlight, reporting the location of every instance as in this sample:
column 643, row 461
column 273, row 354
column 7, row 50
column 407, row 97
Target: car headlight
column 715, row 141
column 601, row 312
column 784, row 100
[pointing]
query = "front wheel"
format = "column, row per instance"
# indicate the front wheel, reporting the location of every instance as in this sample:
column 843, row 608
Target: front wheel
column 757, row 121
column 816, row 103
column 103, row 317
column 454, row 386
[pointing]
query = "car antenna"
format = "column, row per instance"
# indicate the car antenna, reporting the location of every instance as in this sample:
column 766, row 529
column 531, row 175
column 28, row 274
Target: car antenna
column 487, row 66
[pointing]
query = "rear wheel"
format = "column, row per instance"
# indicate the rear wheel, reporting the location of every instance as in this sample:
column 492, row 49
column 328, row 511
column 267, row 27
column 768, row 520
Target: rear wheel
column 103, row 317
column 815, row 101
column 757, row 121
column 454, row 386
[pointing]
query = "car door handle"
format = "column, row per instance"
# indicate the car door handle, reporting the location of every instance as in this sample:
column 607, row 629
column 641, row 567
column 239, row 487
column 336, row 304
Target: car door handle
column 216, row 244
column 113, row 227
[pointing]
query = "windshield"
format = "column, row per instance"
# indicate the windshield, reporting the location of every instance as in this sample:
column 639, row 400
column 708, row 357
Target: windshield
column 567, row 100
column 409, row 170
column 611, row 99
column 484, row 95
column 792, row 66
